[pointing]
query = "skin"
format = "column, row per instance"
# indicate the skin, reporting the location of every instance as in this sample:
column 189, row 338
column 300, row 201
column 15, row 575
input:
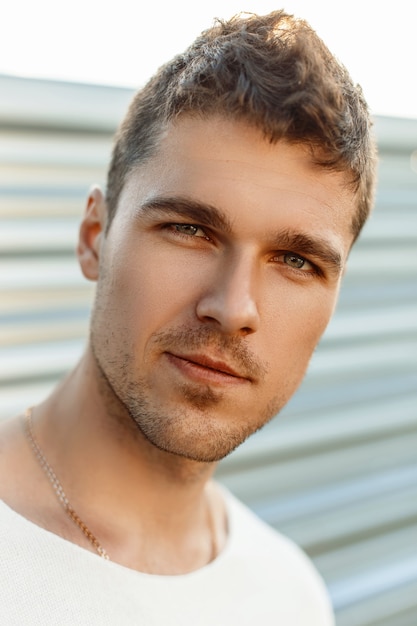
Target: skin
column 216, row 280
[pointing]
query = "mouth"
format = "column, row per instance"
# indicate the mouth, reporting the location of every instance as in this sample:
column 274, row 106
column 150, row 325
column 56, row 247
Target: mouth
column 205, row 369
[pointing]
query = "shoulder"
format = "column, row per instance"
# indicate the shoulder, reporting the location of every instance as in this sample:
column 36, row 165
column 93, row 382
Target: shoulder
column 246, row 528
column 243, row 522
column 276, row 561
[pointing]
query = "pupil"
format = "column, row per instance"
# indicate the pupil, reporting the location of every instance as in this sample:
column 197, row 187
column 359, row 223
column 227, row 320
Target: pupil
column 187, row 228
column 294, row 261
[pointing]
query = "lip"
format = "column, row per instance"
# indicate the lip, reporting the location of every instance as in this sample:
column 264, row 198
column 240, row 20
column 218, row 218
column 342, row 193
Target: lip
column 206, row 369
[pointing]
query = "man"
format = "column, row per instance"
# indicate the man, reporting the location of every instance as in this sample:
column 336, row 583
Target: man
column 240, row 178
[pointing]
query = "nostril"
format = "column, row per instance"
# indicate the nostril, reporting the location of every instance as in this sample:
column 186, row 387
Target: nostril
column 246, row 330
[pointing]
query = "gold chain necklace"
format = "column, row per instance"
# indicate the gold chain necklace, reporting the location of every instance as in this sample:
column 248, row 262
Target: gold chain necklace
column 60, row 493
column 57, row 487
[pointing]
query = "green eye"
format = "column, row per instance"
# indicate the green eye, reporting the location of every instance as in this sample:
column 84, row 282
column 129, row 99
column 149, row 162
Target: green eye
column 293, row 260
column 186, row 229
column 190, row 229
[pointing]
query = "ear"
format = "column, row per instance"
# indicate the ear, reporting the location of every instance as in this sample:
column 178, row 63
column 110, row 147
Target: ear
column 92, row 233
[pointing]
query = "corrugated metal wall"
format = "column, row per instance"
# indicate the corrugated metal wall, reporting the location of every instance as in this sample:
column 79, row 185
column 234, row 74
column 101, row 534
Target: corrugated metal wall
column 337, row 470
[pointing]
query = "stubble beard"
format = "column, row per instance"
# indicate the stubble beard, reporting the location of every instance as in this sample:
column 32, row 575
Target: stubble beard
column 190, row 429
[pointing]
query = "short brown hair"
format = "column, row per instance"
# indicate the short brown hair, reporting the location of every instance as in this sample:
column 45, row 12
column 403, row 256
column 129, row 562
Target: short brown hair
column 272, row 71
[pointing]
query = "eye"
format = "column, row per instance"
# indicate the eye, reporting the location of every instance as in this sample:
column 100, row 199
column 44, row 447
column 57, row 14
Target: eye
column 190, row 230
column 296, row 261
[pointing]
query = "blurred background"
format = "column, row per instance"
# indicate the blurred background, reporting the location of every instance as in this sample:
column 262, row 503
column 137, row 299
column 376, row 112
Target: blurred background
column 337, row 470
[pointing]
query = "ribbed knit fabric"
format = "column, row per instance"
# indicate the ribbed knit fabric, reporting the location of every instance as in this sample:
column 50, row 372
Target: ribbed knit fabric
column 260, row 579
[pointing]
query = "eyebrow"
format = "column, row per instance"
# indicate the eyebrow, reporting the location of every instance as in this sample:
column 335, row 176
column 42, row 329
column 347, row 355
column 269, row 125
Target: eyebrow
column 209, row 215
column 200, row 212
column 305, row 244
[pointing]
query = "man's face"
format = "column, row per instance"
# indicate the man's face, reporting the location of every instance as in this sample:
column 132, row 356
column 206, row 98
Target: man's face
column 217, row 278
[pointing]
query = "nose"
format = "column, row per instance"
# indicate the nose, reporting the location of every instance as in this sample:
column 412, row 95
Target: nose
column 230, row 300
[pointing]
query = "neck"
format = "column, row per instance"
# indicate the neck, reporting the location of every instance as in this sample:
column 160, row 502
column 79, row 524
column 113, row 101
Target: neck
column 151, row 510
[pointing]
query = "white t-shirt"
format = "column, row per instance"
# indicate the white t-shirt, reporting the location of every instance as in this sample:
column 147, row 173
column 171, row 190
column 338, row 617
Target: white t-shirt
column 260, row 578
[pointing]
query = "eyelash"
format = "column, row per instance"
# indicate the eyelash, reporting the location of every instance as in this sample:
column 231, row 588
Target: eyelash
column 177, row 226
column 315, row 270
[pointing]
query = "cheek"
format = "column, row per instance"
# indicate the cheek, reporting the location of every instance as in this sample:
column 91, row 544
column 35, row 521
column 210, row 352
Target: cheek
column 288, row 347
column 148, row 296
column 295, row 325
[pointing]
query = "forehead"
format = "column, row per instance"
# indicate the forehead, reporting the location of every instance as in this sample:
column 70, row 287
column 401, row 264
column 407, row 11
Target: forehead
column 229, row 164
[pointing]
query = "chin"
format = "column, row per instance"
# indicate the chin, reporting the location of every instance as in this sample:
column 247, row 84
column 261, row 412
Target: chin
column 199, row 438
